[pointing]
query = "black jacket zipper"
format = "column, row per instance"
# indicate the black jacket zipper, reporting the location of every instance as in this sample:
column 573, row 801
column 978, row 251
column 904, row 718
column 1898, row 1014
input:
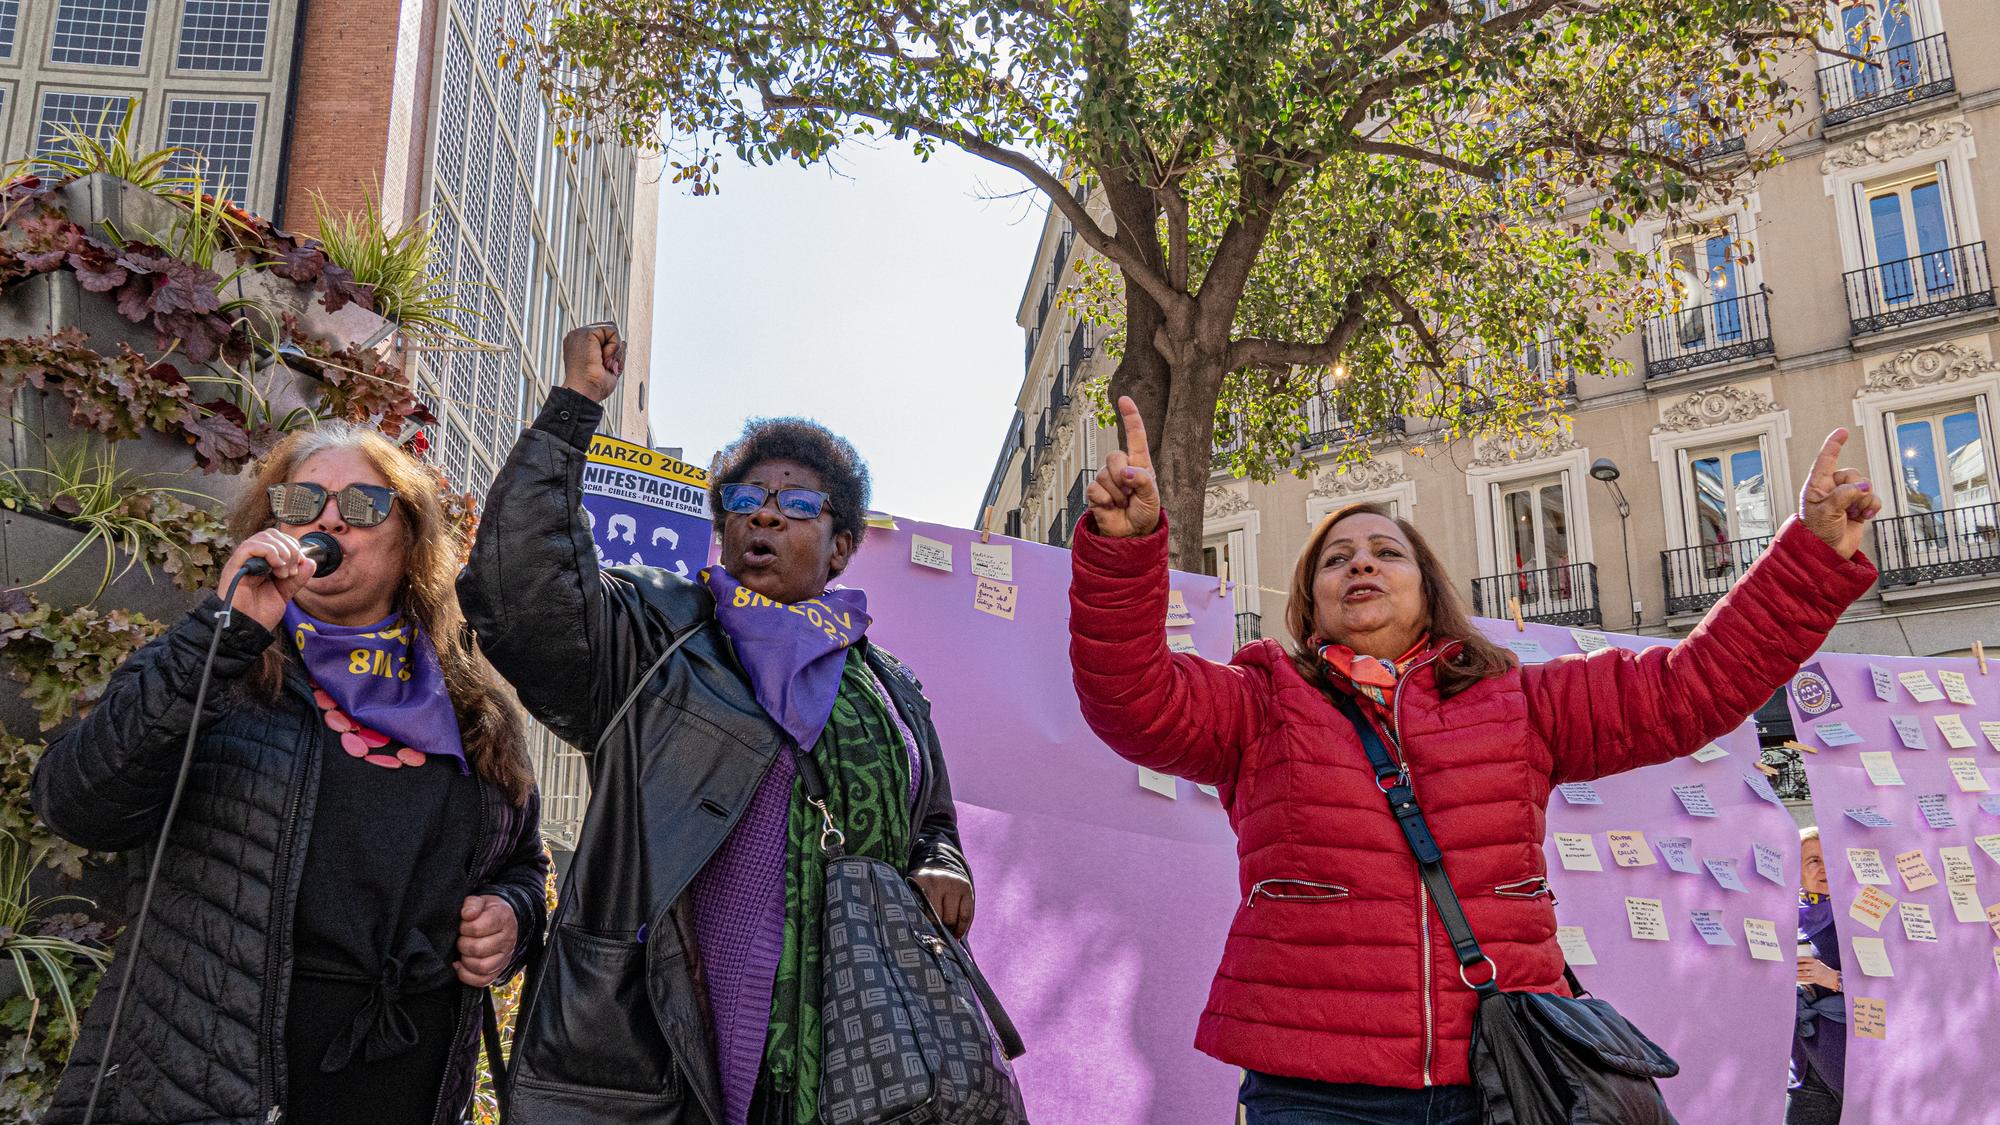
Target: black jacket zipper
column 278, row 933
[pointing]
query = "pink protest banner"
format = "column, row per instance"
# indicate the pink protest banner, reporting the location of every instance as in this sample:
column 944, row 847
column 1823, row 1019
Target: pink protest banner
column 1923, row 827
column 1102, row 906
column 1724, row 1015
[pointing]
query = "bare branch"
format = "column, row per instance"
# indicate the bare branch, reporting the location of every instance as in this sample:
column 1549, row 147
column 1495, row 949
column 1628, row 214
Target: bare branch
column 1425, row 156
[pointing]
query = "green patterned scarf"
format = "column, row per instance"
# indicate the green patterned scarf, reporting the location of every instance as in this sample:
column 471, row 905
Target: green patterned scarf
column 867, row 770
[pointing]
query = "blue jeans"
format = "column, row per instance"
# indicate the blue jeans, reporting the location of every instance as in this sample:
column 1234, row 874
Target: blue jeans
column 1274, row 1100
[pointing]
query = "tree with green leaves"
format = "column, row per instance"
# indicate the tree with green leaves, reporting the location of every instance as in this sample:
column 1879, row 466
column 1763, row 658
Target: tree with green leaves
column 1412, row 202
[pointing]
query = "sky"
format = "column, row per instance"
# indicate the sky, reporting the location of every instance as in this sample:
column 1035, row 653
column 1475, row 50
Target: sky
column 877, row 296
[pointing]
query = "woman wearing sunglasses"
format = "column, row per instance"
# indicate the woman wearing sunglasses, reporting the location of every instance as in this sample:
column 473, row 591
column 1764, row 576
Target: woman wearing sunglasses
column 682, row 977
column 356, row 856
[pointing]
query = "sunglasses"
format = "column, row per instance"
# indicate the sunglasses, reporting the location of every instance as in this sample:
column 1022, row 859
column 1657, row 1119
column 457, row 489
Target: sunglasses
column 360, row 505
column 795, row 503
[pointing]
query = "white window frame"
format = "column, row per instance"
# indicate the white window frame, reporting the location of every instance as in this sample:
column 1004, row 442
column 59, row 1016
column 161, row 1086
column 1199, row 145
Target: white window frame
column 1903, row 181
column 1738, row 219
column 1925, row 21
column 1244, row 587
column 1847, row 187
column 1871, row 414
column 1982, row 407
column 1670, row 454
column 1483, row 485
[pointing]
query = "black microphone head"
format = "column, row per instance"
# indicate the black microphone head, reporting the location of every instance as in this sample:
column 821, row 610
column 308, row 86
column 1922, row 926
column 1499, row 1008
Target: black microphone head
column 325, row 552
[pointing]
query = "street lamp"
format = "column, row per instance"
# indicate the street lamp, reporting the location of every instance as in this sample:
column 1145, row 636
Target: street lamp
column 1606, row 470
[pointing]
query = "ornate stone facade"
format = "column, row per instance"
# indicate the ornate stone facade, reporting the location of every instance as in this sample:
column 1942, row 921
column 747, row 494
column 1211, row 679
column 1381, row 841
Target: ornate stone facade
column 1372, row 475
column 1927, row 366
column 1506, row 449
column 1893, row 142
column 1715, row 406
column 1222, row 500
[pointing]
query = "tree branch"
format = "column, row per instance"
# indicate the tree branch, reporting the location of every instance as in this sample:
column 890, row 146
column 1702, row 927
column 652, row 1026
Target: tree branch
column 1258, row 352
column 1425, row 156
column 1175, row 205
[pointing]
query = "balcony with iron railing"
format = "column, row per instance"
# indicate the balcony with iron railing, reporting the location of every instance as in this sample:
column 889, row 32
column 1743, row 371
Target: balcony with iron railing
column 1059, row 390
column 1027, row 469
column 1059, row 528
column 1929, row 286
column 1048, row 302
column 1074, row 502
column 1557, row 595
column 1080, row 350
column 1939, row 546
column 1340, row 432
column 1725, row 331
column 1892, row 77
column 1065, row 242
column 1013, row 528
column 1249, row 629
column 1034, row 339
column 1698, row 576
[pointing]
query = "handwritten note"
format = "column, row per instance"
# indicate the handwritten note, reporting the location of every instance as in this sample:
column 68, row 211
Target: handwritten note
column 1725, row 874
column 1708, row 923
column 993, row 560
column 1871, row 1017
column 1870, row 907
column 1709, row 753
column 1761, row 935
column 996, row 598
column 1915, row 870
column 1868, row 816
column 1529, row 650
column 1936, row 812
column 1957, row 864
column 1152, row 781
column 1966, row 772
column 1867, row 865
column 1911, row 731
column 1679, row 853
column 1178, row 616
column 1578, row 851
column 1990, row 804
column 1955, row 735
column 1180, row 642
column 1917, row 924
column 1965, row 904
column 1872, row 957
column 1990, row 845
column 1881, row 767
column 1580, row 793
column 1694, row 798
column 930, row 553
column 1920, row 686
column 1588, row 641
column 1956, row 689
column 1836, row 733
column 1647, row 918
column 1885, row 684
column 1575, row 945
column 1992, row 733
column 1761, row 785
column 1993, row 919
column 1628, row 849
column 1770, row 863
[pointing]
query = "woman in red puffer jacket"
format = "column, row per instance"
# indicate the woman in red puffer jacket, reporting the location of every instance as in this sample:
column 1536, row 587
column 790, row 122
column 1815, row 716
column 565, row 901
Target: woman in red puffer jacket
column 1338, row 990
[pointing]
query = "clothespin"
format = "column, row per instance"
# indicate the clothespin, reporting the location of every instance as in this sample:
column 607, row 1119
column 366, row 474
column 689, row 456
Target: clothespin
column 1222, row 579
column 1979, row 650
column 1794, row 744
column 986, row 525
column 1514, row 607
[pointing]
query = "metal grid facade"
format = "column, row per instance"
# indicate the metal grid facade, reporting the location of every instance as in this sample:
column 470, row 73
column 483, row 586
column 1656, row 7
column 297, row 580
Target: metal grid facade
column 100, row 32
column 95, row 114
column 225, row 134
column 224, row 35
column 10, row 25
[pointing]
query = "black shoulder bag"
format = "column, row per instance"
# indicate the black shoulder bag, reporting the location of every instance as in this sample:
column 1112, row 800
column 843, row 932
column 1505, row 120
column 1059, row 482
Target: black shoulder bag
column 1537, row 1058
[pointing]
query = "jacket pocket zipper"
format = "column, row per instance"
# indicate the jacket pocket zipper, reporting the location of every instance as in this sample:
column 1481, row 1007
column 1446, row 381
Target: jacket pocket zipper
column 1535, row 886
column 1314, row 891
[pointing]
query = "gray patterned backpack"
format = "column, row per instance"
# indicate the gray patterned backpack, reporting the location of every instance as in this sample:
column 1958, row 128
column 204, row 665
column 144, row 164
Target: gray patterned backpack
column 911, row 1032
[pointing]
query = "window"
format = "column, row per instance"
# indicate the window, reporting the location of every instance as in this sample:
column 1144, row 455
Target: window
column 224, row 35
column 1230, row 552
column 97, row 115
column 1702, row 268
column 1728, row 495
column 1907, row 230
column 1886, row 31
column 10, row 20
column 1943, row 455
column 224, row 134
column 99, row 32
column 1532, row 520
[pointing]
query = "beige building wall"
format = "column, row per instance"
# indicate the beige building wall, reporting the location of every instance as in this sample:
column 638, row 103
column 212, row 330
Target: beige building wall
column 1824, row 328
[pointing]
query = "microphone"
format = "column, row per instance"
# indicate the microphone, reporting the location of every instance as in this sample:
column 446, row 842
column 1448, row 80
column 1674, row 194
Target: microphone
column 323, row 549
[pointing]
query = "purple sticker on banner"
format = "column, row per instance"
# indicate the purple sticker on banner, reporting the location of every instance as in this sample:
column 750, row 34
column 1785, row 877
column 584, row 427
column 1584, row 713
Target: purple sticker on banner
column 1812, row 694
column 1724, row 871
column 1936, row 812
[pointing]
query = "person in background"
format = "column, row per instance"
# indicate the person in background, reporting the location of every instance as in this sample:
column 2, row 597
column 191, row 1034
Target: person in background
column 1819, row 1044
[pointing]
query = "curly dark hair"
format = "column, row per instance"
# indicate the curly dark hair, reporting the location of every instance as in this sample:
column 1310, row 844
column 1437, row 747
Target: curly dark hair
column 841, row 470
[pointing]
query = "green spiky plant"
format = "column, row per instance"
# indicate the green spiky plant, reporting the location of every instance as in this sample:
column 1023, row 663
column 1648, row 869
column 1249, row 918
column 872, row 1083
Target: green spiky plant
column 110, row 505
column 401, row 268
column 44, row 961
column 85, row 152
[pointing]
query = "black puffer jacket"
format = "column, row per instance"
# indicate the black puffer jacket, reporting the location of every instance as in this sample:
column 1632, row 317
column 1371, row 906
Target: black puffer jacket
column 614, row 1028
column 201, row 1038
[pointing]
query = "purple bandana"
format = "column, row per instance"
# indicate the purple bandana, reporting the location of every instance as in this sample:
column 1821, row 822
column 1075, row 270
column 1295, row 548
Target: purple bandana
column 384, row 676
column 792, row 653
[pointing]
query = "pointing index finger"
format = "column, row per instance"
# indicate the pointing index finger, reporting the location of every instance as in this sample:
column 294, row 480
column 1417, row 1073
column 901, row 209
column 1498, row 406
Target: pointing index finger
column 1137, row 453
column 1829, row 454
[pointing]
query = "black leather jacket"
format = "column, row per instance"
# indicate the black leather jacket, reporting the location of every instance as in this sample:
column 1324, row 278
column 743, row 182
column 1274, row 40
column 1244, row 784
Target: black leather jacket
column 614, row 1027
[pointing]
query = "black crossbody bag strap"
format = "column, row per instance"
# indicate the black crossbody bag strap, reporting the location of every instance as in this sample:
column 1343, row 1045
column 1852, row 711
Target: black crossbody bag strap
column 1394, row 782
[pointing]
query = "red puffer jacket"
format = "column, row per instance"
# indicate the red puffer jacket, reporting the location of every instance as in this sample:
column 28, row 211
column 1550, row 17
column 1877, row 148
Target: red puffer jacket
column 1360, row 985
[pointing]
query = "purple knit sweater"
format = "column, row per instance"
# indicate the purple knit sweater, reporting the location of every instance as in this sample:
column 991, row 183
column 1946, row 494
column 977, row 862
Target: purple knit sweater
column 739, row 921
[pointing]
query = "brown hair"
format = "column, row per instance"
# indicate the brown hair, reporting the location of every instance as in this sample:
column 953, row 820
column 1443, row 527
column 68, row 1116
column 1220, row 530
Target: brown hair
column 1476, row 658
column 489, row 722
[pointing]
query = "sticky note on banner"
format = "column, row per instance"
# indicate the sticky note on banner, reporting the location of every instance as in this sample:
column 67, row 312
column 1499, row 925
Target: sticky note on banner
column 1153, row 781
column 1956, row 689
column 1694, row 798
column 1955, row 735
column 1990, row 845
column 1881, row 767
column 1578, row 851
column 1918, row 683
column 1965, row 904
column 996, row 598
column 1647, row 918
column 1770, row 864
column 1957, row 864
column 1580, row 793
column 1761, row 935
column 1872, row 957
column 1990, row 804
column 1575, row 945
column 1836, row 733
column 1628, row 849
column 931, row 553
column 1871, row 1017
column 1911, row 731
column 1529, row 650
column 1725, row 874
column 1708, row 923
column 1936, row 812
column 1679, row 854
column 1588, row 640
column 1966, row 772
column 1181, row 642
column 1868, row 816
column 1761, row 785
column 1917, row 924
column 1178, row 616
column 1992, row 733
column 993, row 560
column 1885, row 684
column 1867, row 866
column 1870, row 907
column 1709, row 753
column 1915, row 870
column 1993, row 919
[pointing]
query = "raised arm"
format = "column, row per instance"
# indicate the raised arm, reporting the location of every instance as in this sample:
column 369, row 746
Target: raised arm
column 1615, row 710
column 1172, row 712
